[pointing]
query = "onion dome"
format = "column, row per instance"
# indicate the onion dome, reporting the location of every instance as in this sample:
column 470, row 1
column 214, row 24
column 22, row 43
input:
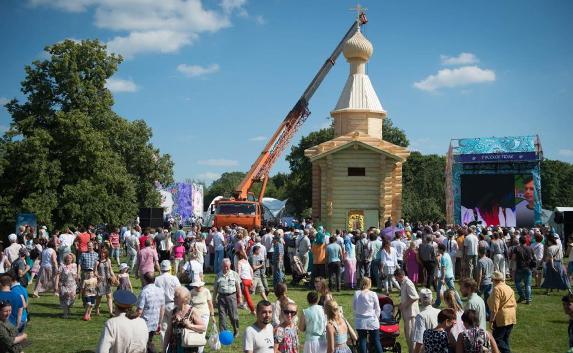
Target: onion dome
column 357, row 47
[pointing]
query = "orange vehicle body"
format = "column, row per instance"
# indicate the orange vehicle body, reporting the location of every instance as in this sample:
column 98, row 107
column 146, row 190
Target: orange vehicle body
column 246, row 214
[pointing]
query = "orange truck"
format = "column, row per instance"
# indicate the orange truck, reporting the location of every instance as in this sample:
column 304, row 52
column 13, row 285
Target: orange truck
column 244, row 208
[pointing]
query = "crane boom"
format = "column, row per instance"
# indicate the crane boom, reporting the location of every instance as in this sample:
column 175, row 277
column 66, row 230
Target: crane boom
column 259, row 171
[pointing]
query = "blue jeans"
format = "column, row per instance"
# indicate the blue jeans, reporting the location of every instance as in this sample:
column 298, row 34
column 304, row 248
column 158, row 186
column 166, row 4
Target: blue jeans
column 449, row 285
column 219, row 255
column 523, row 275
column 485, row 290
column 501, row 337
column 374, row 340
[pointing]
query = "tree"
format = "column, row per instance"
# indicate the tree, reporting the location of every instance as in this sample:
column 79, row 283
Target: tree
column 71, row 158
column 423, row 196
column 299, row 184
column 394, row 134
column 556, row 184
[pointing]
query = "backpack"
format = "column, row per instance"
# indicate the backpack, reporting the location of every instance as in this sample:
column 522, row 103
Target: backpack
column 361, row 249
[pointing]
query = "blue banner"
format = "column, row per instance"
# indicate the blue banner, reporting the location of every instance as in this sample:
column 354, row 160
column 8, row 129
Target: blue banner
column 496, row 157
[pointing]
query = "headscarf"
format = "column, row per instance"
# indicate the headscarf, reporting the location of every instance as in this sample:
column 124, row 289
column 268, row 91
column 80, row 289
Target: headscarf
column 347, row 244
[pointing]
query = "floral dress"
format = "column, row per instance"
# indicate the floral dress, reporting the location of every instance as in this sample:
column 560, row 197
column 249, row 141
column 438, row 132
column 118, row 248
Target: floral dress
column 104, row 280
column 68, row 284
column 287, row 339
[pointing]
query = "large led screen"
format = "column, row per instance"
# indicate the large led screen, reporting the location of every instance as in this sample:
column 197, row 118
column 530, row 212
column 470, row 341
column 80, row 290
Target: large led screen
column 502, row 199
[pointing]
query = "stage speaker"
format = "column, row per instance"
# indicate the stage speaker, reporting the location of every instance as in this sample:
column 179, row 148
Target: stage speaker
column 563, row 217
column 151, row 217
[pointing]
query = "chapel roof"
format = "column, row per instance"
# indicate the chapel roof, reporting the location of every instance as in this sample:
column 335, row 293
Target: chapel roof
column 391, row 150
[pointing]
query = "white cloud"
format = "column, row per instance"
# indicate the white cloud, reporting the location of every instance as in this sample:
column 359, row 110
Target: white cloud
column 197, row 70
column 3, row 128
column 4, row 100
column 153, row 26
column 117, row 85
column 149, row 42
column 219, row 162
column 566, row 152
column 449, row 78
column 462, row 59
column 258, row 138
column 260, row 20
column 208, row 176
column 229, row 6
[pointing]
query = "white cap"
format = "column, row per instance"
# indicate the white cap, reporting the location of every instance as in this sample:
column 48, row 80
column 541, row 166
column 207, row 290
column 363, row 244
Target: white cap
column 165, row 265
column 123, row 266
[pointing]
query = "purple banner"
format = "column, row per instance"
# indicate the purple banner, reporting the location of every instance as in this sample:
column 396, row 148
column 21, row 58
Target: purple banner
column 496, row 157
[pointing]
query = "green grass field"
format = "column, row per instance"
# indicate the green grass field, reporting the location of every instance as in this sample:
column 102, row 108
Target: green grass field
column 541, row 326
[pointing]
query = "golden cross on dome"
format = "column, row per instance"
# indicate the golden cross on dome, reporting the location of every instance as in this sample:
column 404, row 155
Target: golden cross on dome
column 359, row 9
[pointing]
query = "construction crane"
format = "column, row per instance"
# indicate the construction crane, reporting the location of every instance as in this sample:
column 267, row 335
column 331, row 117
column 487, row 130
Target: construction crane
column 244, row 208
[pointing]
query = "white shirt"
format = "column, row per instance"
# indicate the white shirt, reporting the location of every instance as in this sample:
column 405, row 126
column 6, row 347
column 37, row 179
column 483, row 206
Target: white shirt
column 471, row 244
column 196, row 268
column 400, row 248
column 259, row 341
column 219, row 241
column 168, row 283
column 245, row 270
column 366, row 310
column 12, row 251
column 67, row 239
column 451, row 247
column 538, row 250
column 427, row 319
column 268, row 242
column 121, row 335
column 389, row 259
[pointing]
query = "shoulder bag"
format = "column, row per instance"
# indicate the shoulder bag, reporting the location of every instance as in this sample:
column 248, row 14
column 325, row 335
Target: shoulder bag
column 190, row 338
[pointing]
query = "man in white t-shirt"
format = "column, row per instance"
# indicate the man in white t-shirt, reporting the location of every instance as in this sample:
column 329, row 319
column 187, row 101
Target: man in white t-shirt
column 400, row 247
column 471, row 253
column 259, row 337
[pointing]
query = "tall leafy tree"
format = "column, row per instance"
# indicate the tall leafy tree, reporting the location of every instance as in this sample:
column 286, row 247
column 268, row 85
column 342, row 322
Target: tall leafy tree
column 67, row 156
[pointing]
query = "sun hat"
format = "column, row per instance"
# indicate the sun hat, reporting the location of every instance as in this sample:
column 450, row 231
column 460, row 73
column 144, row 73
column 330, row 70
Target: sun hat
column 165, row 265
column 497, row 276
column 197, row 284
column 123, row 266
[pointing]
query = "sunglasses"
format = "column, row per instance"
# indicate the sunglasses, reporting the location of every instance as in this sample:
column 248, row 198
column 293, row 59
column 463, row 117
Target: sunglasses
column 289, row 312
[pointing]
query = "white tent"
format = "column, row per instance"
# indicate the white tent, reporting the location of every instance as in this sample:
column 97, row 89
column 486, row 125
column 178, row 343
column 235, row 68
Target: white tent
column 273, row 209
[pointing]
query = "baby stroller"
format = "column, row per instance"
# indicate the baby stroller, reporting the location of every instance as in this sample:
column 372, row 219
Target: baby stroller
column 298, row 273
column 389, row 325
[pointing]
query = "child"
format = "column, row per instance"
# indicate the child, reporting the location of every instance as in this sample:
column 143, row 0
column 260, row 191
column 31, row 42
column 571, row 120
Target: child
column 89, row 292
column 178, row 253
column 123, row 277
column 387, row 313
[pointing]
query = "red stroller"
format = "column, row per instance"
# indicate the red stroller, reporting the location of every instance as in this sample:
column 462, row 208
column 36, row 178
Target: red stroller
column 389, row 328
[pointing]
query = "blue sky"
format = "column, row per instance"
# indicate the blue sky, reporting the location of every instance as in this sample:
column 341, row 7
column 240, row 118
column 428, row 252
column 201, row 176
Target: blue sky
column 214, row 78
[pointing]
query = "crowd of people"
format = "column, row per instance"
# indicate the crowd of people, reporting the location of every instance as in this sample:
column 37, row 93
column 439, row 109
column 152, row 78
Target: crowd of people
column 176, row 305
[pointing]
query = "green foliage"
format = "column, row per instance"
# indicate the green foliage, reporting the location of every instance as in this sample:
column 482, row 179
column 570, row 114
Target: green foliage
column 299, row 183
column 556, row 184
column 423, row 178
column 394, row 134
column 68, row 157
